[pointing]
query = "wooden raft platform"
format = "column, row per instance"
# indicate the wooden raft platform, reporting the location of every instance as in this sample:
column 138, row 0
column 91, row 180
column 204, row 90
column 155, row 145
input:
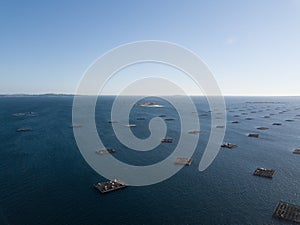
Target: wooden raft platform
column 183, row 161
column 106, row 151
column 253, row 135
column 194, row 132
column 287, row 211
column 228, row 145
column 109, row 186
column 262, row 172
column 262, row 128
column 167, row 140
column 296, row 151
column 277, row 124
column 24, row 130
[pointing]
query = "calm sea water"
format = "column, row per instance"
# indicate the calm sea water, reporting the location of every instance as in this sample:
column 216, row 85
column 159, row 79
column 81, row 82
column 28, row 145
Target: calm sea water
column 45, row 180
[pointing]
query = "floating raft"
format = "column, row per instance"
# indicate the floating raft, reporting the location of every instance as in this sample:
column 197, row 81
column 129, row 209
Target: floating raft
column 169, row 119
column 262, row 172
column 75, row 126
column 262, row 128
column 253, row 135
column 24, row 130
column 167, row 140
column 183, row 161
column 194, row 132
column 287, row 211
column 109, row 186
column 19, row 114
column 289, row 120
column 235, row 122
column 228, row 145
column 203, row 114
column 25, row 114
column 106, row 151
column 296, row 151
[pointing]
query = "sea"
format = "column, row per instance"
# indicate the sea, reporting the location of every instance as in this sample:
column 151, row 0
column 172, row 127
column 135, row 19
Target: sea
column 46, row 181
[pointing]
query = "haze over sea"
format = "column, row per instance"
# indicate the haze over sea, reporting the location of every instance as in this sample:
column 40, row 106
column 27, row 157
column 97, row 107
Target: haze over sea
column 45, row 180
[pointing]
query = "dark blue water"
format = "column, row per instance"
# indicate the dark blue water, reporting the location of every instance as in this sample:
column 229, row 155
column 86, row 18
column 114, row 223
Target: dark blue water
column 45, row 180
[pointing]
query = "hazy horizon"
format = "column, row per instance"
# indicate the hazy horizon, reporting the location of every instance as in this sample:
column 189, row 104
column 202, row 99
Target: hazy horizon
column 71, row 94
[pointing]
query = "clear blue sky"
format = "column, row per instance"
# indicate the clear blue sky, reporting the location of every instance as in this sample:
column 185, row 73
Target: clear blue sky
column 252, row 47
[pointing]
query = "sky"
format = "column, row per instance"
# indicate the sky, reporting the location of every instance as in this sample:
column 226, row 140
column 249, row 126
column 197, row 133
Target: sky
column 252, row 47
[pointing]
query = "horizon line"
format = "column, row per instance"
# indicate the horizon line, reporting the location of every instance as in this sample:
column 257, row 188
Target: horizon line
column 200, row 95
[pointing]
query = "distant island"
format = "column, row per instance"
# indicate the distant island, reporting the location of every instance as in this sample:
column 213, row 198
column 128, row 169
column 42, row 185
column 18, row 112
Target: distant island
column 35, row 95
column 149, row 104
